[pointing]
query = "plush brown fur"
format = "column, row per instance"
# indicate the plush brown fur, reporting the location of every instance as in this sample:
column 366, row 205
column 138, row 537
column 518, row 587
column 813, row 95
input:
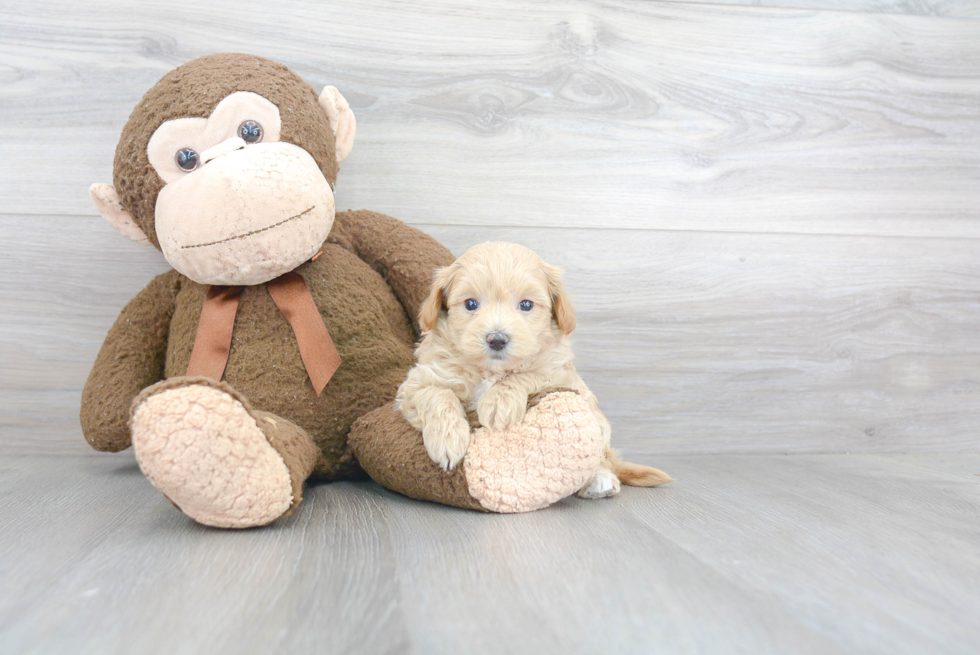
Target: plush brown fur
column 289, row 440
column 194, row 89
column 368, row 283
column 371, row 279
column 392, row 453
column 368, row 263
column 132, row 358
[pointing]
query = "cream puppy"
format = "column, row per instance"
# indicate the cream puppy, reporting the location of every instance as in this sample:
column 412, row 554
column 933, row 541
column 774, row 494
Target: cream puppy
column 496, row 328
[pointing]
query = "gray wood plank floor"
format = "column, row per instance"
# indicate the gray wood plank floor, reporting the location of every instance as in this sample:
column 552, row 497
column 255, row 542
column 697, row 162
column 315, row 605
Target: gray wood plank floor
column 769, row 214
column 743, row 554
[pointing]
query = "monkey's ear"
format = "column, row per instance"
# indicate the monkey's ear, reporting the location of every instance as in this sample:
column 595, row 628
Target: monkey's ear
column 341, row 119
column 429, row 311
column 107, row 202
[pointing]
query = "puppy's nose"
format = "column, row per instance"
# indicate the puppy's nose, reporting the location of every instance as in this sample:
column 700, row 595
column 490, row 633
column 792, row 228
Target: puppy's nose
column 497, row 340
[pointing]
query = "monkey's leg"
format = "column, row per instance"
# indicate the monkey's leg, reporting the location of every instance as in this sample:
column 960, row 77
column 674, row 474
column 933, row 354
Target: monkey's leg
column 218, row 460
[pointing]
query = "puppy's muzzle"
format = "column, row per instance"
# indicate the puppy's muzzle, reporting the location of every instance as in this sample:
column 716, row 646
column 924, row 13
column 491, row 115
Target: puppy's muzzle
column 497, row 341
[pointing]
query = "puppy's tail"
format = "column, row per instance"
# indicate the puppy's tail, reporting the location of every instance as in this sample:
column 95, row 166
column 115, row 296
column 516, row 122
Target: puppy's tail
column 635, row 475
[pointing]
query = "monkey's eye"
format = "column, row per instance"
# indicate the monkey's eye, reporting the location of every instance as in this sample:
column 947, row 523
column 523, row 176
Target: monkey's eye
column 250, row 131
column 187, row 159
column 471, row 305
column 526, row 305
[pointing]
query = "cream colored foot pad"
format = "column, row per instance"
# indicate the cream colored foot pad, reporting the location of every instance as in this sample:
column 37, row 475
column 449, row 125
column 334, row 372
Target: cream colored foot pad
column 204, row 451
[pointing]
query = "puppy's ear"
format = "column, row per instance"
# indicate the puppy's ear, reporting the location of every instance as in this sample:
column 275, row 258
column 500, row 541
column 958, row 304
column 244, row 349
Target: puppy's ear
column 561, row 304
column 435, row 303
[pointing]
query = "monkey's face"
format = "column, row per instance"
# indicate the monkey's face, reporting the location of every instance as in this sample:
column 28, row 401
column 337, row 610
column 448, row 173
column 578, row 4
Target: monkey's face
column 239, row 206
column 227, row 165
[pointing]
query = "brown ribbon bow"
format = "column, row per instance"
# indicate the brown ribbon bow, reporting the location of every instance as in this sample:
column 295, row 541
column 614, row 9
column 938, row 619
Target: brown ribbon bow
column 212, row 345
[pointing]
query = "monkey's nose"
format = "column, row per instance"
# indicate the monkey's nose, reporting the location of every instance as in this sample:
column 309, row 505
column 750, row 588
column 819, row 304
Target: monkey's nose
column 497, row 340
column 223, row 148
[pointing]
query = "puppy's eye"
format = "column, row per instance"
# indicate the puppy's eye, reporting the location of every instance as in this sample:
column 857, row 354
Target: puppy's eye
column 526, row 305
column 471, row 305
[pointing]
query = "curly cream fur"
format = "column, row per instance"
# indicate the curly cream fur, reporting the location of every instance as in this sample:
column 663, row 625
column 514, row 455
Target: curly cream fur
column 459, row 371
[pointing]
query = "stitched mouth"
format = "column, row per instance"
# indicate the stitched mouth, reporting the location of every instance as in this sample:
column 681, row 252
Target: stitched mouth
column 253, row 232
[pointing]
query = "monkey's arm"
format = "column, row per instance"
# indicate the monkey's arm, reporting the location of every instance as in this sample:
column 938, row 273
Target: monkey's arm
column 132, row 358
column 403, row 255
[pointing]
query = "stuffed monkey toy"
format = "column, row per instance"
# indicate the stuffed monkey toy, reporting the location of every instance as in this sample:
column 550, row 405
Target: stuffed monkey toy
column 238, row 375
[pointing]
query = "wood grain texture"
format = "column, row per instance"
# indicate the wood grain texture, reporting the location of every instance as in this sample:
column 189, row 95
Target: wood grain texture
column 802, row 554
column 728, row 186
column 617, row 113
column 699, row 342
column 768, row 216
column 945, row 8
column 693, row 342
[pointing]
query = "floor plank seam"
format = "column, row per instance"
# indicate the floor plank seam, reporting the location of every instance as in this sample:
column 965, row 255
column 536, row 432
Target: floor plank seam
column 524, row 226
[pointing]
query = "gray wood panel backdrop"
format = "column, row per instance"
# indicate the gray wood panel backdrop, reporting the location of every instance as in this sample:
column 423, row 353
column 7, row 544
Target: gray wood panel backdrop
column 768, row 212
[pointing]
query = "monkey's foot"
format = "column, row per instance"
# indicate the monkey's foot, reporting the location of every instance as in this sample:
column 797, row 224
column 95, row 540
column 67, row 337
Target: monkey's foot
column 220, row 462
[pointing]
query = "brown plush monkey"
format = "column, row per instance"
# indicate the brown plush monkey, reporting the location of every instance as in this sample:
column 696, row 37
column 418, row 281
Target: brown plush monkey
column 238, row 374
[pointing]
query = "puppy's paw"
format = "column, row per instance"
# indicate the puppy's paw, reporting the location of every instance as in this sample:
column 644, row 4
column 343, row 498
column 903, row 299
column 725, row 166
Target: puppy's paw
column 501, row 406
column 446, row 441
column 603, row 485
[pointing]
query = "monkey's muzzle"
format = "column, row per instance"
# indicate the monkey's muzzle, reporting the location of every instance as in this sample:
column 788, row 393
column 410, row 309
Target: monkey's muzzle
column 247, row 216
